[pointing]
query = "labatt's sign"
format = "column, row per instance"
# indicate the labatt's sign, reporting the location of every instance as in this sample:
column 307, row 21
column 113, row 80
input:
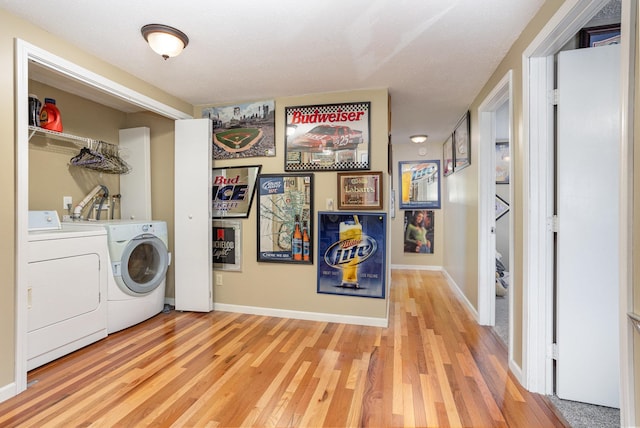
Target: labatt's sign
column 228, row 192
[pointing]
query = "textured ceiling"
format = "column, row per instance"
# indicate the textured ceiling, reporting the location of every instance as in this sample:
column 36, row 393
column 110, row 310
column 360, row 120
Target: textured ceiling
column 433, row 55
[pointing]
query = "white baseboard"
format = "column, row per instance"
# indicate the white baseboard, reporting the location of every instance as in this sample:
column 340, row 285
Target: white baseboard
column 170, row 301
column 308, row 316
column 517, row 371
column 463, row 298
column 416, row 267
column 8, row 391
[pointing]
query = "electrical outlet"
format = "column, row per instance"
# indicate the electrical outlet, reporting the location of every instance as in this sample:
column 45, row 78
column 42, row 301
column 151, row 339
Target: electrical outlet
column 67, row 202
column 329, row 204
column 218, row 279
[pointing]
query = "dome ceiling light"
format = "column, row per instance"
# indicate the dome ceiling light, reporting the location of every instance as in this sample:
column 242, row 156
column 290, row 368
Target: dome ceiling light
column 164, row 40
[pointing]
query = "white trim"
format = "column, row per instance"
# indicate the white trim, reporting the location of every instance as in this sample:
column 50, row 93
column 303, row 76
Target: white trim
column 501, row 93
column 24, row 53
column 463, row 298
column 629, row 22
column 308, row 316
column 7, row 391
column 416, row 267
column 537, row 150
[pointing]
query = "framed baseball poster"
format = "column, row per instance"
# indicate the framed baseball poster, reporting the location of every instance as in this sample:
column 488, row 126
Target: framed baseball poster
column 243, row 130
column 330, row 137
column 351, row 253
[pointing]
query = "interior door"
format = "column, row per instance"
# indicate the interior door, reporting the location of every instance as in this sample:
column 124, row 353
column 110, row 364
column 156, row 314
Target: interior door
column 192, row 240
column 587, row 328
column 135, row 187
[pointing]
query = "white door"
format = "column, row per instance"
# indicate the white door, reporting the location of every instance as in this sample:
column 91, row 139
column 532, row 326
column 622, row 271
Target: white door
column 587, row 283
column 192, row 231
column 135, row 187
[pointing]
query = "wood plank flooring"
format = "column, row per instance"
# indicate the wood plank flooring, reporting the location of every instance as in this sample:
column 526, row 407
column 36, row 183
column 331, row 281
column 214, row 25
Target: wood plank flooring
column 433, row 366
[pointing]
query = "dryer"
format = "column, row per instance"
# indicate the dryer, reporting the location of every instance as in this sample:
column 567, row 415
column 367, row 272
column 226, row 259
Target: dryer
column 139, row 260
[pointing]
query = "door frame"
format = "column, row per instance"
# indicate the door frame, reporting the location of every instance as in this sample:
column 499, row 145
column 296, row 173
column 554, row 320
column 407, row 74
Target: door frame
column 24, row 54
column 503, row 92
column 538, row 141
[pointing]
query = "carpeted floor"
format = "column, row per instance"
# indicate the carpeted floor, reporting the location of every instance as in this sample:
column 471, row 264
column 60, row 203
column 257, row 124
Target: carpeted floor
column 579, row 415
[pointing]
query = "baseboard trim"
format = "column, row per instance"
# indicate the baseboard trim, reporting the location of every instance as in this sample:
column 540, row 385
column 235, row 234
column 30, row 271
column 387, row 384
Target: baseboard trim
column 8, row 391
column 416, row 267
column 454, row 286
column 307, row 316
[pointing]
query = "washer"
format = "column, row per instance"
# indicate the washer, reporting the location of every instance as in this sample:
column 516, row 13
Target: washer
column 139, row 260
column 66, row 295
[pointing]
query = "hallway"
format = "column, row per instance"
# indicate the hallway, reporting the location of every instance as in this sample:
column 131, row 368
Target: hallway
column 433, row 366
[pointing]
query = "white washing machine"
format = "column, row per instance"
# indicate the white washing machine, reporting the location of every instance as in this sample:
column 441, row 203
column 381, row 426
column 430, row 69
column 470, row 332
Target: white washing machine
column 139, row 259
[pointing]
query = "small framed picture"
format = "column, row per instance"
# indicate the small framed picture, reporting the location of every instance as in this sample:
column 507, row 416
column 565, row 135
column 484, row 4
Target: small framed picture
column 502, row 162
column 462, row 143
column 227, row 245
column 599, row 36
column 447, row 157
column 502, row 207
column 360, row 191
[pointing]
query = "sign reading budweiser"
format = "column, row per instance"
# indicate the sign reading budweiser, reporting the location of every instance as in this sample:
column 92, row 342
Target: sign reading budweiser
column 329, row 137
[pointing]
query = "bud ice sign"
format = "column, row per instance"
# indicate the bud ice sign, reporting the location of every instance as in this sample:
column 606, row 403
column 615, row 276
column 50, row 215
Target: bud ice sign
column 232, row 191
column 352, row 253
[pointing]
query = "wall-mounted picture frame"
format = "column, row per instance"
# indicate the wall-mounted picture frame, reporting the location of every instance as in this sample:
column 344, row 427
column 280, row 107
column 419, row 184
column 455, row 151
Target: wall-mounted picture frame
column 285, row 220
column 419, row 232
column 227, row 245
column 243, row 130
column 602, row 35
column 360, row 190
column 420, row 184
column 351, row 253
column 328, row 137
column 502, row 207
column 232, row 191
column 503, row 160
column 447, row 157
column 462, row 143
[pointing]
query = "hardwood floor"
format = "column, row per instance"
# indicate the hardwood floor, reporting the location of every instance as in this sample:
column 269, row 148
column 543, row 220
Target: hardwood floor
column 433, row 366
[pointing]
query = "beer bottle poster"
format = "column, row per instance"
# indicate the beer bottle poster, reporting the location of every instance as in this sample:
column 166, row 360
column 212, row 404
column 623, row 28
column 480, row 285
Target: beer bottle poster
column 352, row 253
column 285, row 227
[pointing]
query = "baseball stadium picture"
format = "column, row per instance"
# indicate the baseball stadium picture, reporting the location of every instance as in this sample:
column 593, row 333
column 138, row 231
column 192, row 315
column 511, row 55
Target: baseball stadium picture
column 243, row 130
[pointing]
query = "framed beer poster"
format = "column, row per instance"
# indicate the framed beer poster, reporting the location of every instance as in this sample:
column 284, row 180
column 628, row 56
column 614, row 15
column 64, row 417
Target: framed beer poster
column 232, row 191
column 360, row 191
column 329, row 137
column 227, row 245
column 285, row 221
column 351, row 253
column 420, row 182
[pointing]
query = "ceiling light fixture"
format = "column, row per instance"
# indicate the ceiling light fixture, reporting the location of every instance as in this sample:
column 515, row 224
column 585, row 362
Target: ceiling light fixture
column 164, row 40
column 418, row 138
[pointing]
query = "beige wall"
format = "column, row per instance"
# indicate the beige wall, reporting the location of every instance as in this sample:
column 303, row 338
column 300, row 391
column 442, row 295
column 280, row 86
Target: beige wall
column 293, row 287
column 11, row 28
column 461, row 190
column 405, row 151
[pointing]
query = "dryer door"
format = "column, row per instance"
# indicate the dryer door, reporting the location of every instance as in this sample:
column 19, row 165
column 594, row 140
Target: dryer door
column 144, row 263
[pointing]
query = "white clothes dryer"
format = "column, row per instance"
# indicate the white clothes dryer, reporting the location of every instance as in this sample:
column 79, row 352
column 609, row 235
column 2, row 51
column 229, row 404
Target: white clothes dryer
column 139, row 260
